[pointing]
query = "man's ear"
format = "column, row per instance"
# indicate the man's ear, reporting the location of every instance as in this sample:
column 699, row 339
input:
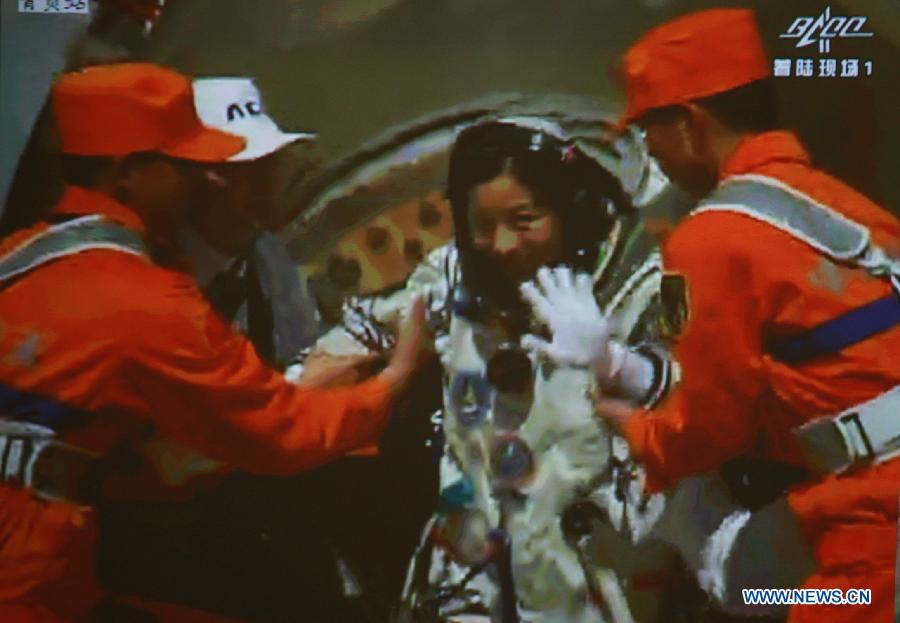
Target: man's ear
column 698, row 130
column 123, row 179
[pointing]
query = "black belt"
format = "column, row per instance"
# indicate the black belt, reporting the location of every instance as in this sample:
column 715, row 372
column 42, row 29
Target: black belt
column 755, row 482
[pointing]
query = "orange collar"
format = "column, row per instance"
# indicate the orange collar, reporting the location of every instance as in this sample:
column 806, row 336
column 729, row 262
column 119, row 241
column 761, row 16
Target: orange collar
column 78, row 201
column 756, row 151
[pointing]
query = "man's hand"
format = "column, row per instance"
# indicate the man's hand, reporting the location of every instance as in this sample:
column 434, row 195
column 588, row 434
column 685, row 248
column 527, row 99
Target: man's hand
column 411, row 347
column 565, row 303
column 615, row 412
column 323, row 370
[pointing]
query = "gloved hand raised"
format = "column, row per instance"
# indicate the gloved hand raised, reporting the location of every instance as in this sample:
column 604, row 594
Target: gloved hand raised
column 565, row 303
column 581, row 334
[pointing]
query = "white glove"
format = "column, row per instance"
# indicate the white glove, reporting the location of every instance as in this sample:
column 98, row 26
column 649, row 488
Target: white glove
column 581, row 333
column 565, row 303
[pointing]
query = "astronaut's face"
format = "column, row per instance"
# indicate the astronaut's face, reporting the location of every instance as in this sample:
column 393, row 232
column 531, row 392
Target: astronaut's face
column 510, row 227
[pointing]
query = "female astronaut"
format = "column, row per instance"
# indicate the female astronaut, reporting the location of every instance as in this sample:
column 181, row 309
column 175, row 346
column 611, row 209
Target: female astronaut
column 522, row 445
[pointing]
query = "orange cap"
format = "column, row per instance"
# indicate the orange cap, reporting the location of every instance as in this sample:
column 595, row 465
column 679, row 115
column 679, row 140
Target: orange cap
column 693, row 56
column 114, row 110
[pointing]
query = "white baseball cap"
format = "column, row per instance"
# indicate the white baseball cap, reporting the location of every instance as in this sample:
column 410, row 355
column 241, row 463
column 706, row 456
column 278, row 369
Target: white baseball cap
column 234, row 106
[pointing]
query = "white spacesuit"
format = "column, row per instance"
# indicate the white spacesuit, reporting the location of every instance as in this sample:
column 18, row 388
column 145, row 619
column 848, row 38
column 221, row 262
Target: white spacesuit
column 522, row 447
column 522, row 456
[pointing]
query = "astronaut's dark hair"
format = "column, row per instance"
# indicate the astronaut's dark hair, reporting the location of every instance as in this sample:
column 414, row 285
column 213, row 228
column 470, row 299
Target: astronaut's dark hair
column 562, row 178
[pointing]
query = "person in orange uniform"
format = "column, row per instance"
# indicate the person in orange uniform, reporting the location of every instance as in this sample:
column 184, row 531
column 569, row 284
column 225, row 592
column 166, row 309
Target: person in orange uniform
column 99, row 345
column 789, row 354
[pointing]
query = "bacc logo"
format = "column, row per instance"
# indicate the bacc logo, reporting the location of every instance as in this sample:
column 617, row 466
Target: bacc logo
column 824, row 28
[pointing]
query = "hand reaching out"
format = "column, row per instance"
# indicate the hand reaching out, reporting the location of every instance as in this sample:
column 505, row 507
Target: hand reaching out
column 324, row 370
column 411, row 347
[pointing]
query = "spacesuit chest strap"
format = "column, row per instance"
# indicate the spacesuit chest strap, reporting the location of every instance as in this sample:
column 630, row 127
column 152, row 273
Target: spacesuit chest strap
column 81, row 234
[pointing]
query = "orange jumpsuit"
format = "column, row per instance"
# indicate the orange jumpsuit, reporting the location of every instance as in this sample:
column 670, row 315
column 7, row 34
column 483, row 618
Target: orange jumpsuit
column 745, row 279
column 132, row 344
